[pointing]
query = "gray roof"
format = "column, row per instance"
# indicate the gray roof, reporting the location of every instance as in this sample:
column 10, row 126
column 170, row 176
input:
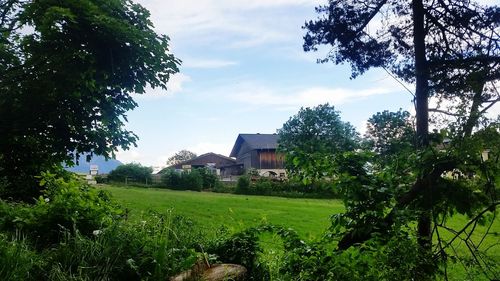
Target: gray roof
column 255, row 141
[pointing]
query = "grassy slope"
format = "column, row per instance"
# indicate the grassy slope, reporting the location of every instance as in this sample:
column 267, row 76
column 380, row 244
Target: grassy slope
column 310, row 217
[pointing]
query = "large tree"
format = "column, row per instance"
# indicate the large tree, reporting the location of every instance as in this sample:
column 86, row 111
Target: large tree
column 390, row 135
column 312, row 138
column 67, row 72
column 447, row 49
column 181, row 156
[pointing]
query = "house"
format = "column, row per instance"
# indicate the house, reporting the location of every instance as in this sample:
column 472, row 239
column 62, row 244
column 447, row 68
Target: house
column 212, row 161
column 258, row 152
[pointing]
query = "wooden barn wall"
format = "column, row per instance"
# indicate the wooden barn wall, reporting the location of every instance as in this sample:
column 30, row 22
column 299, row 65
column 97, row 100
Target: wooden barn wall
column 245, row 159
column 269, row 160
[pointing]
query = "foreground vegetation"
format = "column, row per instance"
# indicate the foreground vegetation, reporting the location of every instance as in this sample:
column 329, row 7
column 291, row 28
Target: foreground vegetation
column 77, row 232
column 309, row 217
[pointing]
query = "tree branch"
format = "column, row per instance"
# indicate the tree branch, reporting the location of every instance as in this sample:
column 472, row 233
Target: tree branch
column 444, row 112
column 473, row 220
column 375, row 11
column 354, row 237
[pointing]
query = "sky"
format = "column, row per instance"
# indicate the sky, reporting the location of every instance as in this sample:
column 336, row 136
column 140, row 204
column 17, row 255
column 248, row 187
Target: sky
column 244, row 71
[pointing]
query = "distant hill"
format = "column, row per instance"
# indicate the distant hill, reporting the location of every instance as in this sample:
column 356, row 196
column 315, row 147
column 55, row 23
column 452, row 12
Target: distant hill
column 104, row 166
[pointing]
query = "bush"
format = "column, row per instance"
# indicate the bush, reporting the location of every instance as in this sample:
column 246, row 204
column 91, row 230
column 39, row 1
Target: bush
column 101, row 179
column 192, row 180
column 171, row 179
column 271, row 187
column 243, row 185
column 210, row 180
column 225, row 187
column 67, row 205
column 197, row 180
column 75, row 232
column 133, row 172
column 152, row 249
column 241, row 248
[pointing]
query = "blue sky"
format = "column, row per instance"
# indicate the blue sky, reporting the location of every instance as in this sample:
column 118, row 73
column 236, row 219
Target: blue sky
column 243, row 71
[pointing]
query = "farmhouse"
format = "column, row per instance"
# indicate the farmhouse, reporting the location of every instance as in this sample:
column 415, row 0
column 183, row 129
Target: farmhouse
column 212, row 161
column 258, row 152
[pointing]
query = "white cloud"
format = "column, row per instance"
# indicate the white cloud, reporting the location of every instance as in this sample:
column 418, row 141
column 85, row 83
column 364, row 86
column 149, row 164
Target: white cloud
column 129, row 156
column 233, row 23
column 306, row 97
column 205, row 147
column 207, row 63
column 176, row 83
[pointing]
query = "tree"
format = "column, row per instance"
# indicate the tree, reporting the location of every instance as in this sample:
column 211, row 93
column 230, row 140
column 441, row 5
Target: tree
column 390, row 134
column 68, row 69
column 311, row 138
column 448, row 49
column 181, row 156
column 131, row 172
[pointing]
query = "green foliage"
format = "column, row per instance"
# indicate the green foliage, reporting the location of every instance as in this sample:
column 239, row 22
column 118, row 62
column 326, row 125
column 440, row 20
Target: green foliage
column 131, row 172
column 75, row 232
column 210, row 180
column 312, row 138
column 192, row 180
column 243, row 185
column 287, row 188
column 391, row 135
column 181, row 156
column 241, row 248
column 372, row 261
column 17, row 260
column 67, row 205
column 151, row 249
column 113, row 52
column 196, row 179
column 100, row 179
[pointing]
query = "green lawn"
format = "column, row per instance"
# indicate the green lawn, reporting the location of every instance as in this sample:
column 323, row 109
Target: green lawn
column 309, row 217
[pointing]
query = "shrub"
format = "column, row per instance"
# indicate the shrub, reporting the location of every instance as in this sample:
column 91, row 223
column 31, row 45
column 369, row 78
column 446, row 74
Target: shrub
column 133, row 171
column 155, row 248
column 243, row 185
column 241, row 248
column 196, row 180
column 171, row 179
column 192, row 180
column 101, row 179
column 66, row 205
column 271, row 187
column 225, row 187
column 74, row 232
column 210, row 180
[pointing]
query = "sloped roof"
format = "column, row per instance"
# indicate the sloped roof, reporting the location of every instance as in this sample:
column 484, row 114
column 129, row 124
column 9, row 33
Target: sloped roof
column 255, row 141
column 218, row 159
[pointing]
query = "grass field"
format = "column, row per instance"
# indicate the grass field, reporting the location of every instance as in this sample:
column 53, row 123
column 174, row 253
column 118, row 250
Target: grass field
column 309, row 217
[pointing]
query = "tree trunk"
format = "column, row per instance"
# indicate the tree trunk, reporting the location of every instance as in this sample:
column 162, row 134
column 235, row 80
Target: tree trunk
column 424, row 232
column 475, row 113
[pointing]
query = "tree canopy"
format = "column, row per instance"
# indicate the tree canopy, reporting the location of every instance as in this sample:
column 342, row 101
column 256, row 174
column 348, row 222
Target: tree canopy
column 131, row 172
column 389, row 134
column 312, row 138
column 67, row 72
column 180, row 156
